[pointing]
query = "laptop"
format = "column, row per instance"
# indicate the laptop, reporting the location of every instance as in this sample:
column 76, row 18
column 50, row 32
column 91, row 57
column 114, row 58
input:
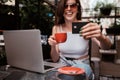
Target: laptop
column 24, row 50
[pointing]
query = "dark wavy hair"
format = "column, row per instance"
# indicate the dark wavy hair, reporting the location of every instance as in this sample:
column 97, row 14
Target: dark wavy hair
column 59, row 18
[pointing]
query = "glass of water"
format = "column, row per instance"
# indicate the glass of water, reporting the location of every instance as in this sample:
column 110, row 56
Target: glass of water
column 44, row 39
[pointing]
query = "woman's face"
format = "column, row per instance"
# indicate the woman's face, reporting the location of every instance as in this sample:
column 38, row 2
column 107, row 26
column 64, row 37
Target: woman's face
column 70, row 10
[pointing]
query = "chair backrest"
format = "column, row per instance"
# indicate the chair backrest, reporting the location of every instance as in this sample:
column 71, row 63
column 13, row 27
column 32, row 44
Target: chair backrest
column 95, row 59
column 94, row 50
column 117, row 59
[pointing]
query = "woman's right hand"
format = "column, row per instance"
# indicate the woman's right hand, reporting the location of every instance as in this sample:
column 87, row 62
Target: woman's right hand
column 52, row 41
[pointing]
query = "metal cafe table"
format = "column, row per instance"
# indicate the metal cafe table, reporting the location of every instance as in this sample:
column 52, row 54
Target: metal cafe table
column 18, row 74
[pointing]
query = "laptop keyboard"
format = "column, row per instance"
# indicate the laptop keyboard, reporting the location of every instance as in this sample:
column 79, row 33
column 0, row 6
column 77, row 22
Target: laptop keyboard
column 47, row 67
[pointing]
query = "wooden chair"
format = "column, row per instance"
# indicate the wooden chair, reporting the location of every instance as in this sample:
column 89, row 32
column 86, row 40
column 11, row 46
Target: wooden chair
column 106, row 68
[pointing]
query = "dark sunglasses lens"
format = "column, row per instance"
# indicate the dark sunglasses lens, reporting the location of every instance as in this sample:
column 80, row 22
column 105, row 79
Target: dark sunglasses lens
column 73, row 6
column 66, row 6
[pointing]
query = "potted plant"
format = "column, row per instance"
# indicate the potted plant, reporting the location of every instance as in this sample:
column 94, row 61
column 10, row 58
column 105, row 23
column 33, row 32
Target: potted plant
column 105, row 7
column 114, row 29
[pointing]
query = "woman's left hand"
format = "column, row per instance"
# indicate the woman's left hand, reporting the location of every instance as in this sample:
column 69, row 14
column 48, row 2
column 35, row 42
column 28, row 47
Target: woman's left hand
column 91, row 30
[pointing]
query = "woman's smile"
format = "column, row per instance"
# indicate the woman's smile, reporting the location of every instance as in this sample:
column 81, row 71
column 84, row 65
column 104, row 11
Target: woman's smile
column 68, row 13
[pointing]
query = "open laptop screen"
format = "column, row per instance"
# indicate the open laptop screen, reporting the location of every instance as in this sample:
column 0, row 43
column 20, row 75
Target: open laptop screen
column 23, row 49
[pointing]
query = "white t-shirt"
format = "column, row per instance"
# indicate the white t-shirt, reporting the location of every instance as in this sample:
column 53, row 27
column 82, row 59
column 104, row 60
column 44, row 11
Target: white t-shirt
column 74, row 47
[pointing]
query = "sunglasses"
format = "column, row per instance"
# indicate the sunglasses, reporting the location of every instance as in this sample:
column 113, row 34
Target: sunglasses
column 72, row 6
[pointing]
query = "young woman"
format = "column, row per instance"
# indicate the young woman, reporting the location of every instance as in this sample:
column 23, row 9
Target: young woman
column 75, row 49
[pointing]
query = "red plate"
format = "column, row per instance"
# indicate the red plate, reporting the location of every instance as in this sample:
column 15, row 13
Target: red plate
column 71, row 70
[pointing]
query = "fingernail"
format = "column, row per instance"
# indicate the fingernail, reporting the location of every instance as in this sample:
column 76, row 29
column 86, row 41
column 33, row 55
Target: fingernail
column 80, row 32
column 80, row 29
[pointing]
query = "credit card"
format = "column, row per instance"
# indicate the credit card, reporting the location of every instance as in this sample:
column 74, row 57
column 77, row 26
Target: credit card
column 76, row 26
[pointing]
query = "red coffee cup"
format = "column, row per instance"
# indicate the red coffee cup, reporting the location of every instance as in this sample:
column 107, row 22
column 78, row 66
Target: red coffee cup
column 60, row 37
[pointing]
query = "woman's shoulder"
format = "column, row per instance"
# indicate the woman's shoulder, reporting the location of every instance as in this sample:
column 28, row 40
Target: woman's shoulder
column 56, row 28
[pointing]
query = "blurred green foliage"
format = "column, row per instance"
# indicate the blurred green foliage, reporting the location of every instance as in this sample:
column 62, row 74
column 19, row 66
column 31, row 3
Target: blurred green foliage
column 30, row 14
column 36, row 14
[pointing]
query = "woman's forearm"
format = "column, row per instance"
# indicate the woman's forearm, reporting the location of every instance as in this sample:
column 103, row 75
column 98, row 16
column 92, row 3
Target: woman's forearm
column 105, row 42
column 54, row 54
